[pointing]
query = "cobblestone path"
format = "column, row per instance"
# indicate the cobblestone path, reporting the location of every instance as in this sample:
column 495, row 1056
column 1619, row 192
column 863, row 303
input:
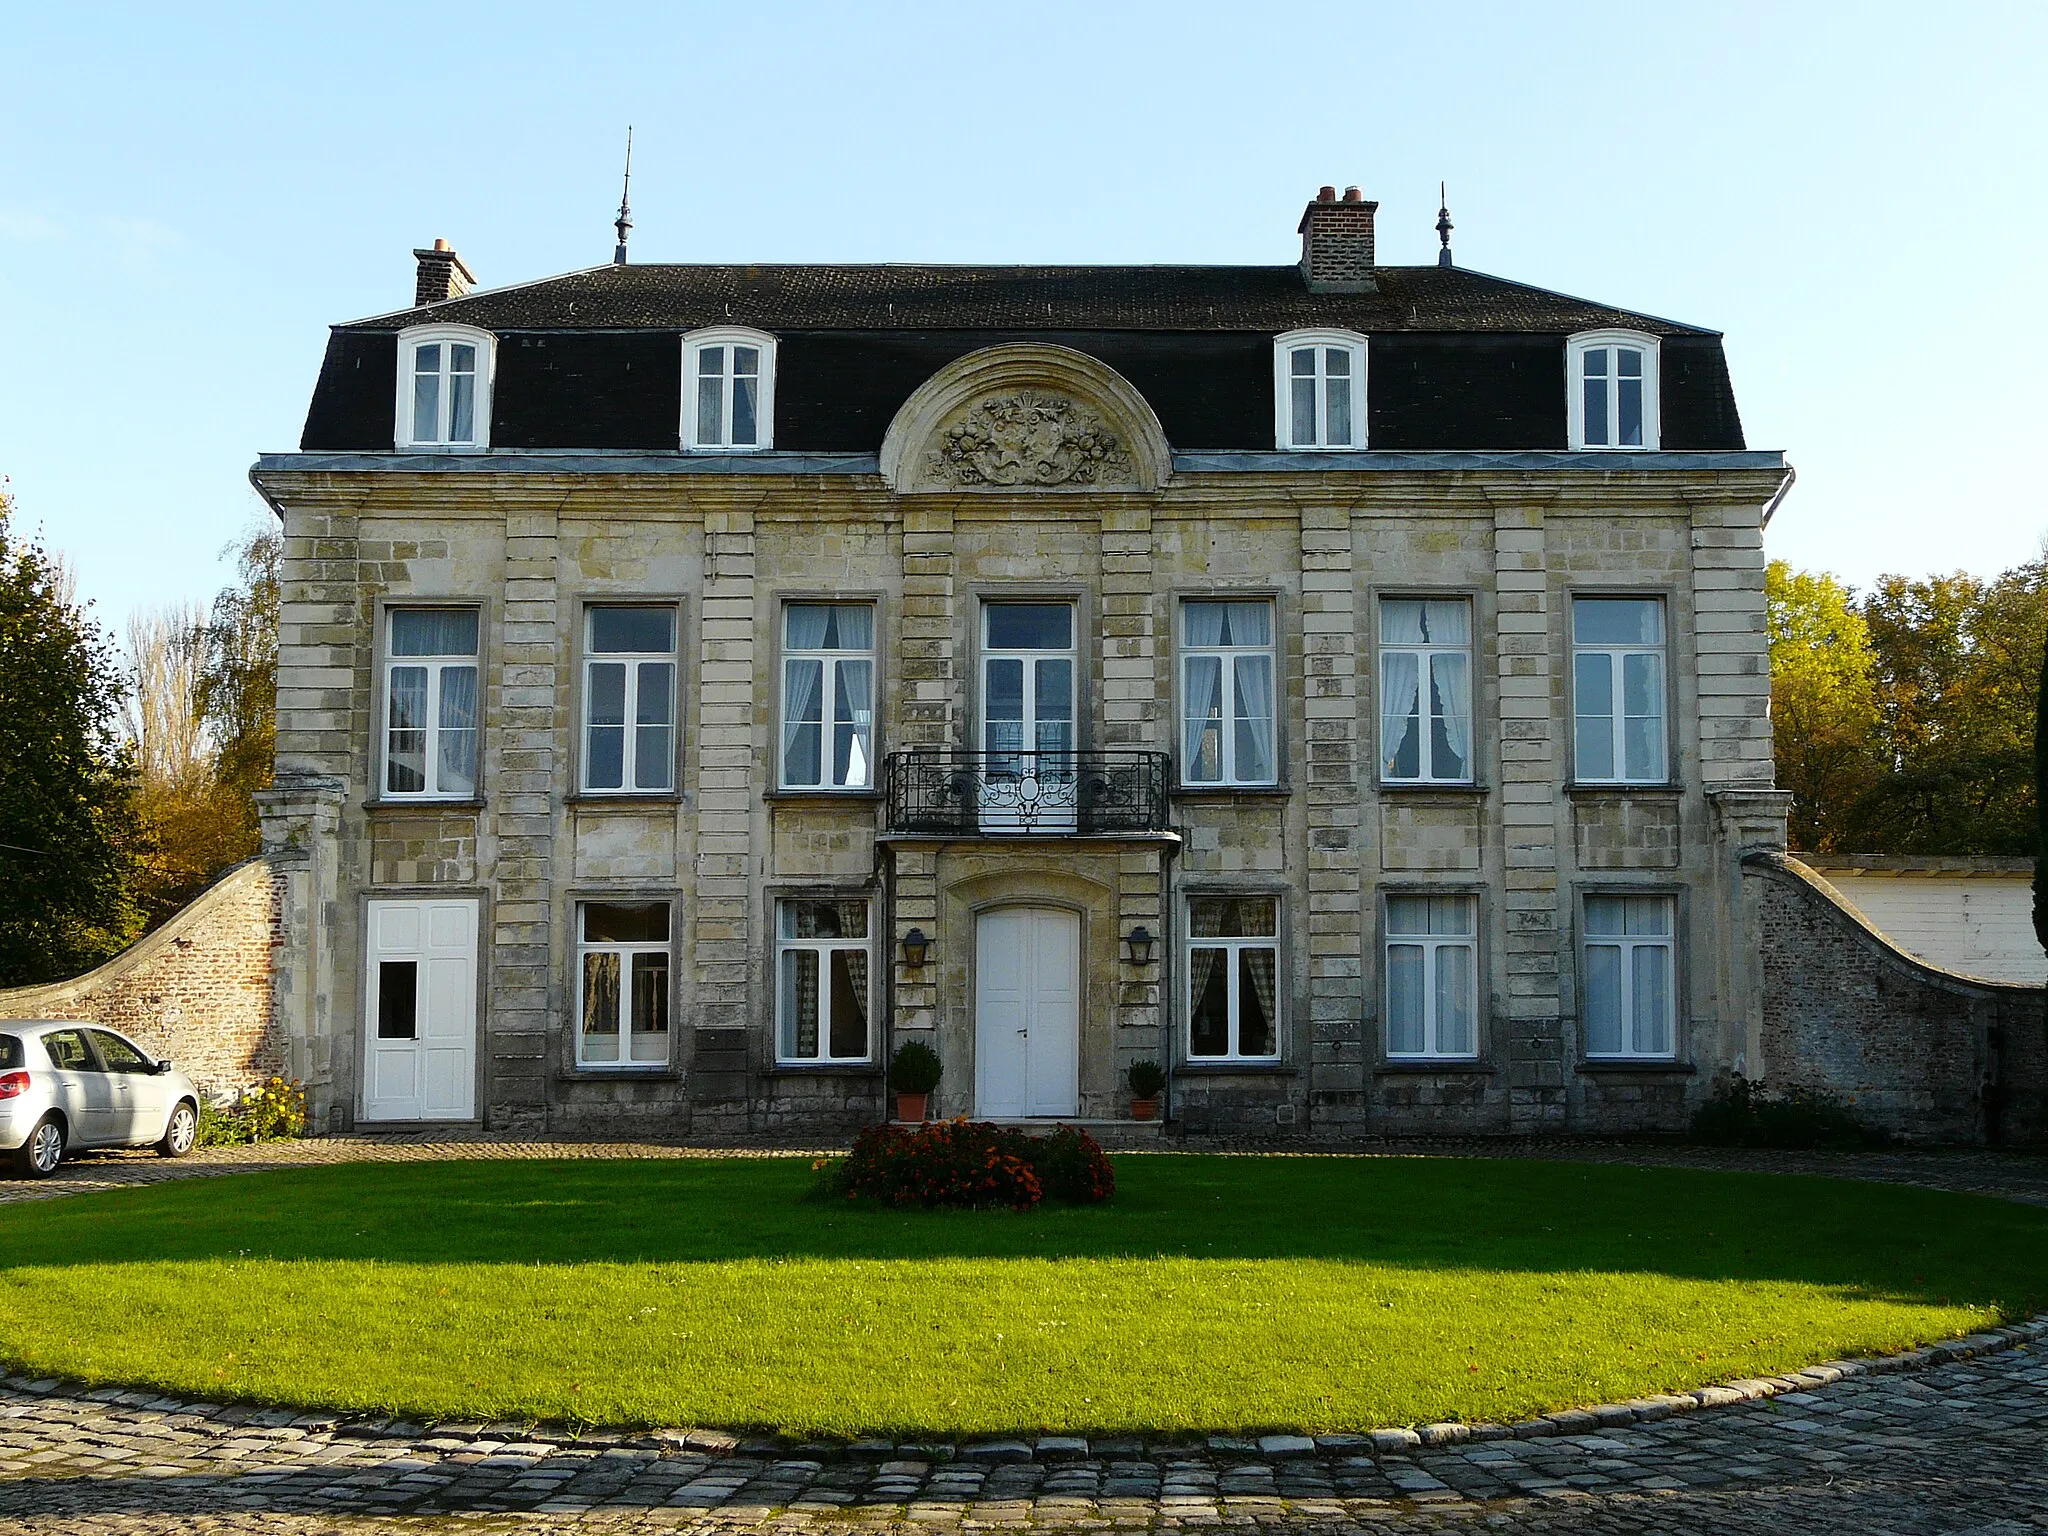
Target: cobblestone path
column 1958, row 1447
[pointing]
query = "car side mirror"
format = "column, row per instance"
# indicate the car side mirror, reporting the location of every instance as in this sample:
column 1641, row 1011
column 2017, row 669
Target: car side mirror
column 163, row 1065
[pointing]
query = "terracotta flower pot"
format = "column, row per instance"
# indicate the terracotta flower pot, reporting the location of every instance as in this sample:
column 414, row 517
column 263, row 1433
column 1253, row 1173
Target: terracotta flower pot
column 1144, row 1109
column 910, row 1106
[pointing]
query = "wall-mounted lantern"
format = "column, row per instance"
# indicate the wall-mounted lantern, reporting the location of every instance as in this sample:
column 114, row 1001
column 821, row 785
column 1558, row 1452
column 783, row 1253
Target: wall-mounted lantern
column 1141, row 943
column 915, row 948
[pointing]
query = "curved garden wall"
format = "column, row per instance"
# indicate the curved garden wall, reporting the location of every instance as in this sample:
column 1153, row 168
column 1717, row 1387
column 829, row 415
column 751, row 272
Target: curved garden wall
column 196, row 990
column 1922, row 1052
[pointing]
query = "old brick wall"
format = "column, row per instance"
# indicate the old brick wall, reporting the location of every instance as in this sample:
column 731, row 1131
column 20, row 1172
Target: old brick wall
column 1922, row 1052
column 196, row 990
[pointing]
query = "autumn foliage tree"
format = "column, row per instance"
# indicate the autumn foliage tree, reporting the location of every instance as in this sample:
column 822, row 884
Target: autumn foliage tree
column 1823, row 701
column 201, row 715
column 1958, row 668
column 1904, row 720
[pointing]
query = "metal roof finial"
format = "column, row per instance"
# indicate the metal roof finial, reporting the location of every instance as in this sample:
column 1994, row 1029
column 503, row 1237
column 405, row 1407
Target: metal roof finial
column 624, row 222
column 1443, row 226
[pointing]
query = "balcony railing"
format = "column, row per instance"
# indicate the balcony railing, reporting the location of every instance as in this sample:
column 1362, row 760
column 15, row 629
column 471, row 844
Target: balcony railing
column 1026, row 794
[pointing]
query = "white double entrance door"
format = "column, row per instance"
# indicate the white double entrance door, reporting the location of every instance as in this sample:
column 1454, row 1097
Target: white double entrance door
column 419, row 1015
column 1027, row 1013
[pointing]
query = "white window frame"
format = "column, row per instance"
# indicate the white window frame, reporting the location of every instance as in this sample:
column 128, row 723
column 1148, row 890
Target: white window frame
column 823, row 948
column 625, row 949
column 728, row 336
column 409, row 342
column 1233, row 974
column 1426, row 654
column 436, row 667
column 1433, row 947
column 828, row 681
column 1284, row 347
column 1617, row 695
column 632, row 662
column 1227, row 657
column 1576, row 348
column 1625, row 945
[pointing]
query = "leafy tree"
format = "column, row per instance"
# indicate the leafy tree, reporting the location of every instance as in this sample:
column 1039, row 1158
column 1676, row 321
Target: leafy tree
column 1957, row 662
column 237, row 680
column 1823, row 701
column 67, row 814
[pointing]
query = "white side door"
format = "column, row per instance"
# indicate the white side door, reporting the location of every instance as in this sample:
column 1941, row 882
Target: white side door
column 420, row 1024
column 1027, row 1060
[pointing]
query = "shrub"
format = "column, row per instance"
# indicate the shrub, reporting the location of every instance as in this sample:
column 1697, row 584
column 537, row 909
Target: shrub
column 1745, row 1115
column 1072, row 1166
column 276, row 1111
column 1145, row 1079
column 970, row 1164
column 916, row 1068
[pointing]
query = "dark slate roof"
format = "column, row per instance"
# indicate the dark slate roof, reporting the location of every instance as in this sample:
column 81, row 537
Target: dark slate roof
column 926, row 298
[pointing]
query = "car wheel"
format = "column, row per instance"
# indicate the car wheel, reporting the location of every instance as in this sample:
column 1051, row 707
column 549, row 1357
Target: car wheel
column 38, row 1157
column 181, row 1132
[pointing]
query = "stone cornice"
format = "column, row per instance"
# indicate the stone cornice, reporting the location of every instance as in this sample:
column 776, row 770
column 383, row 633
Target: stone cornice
column 769, row 486
column 777, row 466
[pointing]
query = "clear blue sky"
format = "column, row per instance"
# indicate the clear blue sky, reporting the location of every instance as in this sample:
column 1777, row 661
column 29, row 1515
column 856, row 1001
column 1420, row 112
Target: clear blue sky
column 190, row 195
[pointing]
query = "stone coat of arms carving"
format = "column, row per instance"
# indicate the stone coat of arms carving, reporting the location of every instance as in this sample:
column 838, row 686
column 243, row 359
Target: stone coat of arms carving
column 1028, row 437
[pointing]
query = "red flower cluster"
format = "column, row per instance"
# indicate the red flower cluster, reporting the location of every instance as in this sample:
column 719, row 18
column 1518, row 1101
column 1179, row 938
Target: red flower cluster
column 967, row 1163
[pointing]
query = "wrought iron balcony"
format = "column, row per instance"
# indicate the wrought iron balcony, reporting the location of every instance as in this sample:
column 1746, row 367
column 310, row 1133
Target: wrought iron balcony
column 1026, row 794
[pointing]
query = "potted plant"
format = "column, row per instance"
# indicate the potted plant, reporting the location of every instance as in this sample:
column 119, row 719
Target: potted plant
column 914, row 1072
column 1146, row 1080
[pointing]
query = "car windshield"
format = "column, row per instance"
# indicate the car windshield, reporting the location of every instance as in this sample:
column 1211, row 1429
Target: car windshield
column 11, row 1053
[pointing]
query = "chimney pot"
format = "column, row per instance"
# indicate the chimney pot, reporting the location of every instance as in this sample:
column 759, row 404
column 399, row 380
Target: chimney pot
column 441, row 275
column 1337, row 243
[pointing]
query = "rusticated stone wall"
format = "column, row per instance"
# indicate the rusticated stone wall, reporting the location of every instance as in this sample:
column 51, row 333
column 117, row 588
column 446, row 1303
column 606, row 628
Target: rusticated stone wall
column 196, row 990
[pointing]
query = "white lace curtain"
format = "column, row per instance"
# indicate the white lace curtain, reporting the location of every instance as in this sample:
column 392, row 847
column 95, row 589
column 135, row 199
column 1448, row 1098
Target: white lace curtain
column 1254, row 676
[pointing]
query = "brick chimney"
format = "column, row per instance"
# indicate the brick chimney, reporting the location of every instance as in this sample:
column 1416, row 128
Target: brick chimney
column 442, row 275
column 1336, row 243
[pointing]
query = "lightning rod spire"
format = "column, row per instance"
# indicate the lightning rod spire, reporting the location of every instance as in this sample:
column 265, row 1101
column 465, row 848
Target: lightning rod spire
column 624, row 222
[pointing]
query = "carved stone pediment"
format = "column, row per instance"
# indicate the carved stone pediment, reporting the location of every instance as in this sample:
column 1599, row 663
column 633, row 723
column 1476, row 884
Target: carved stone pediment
column 1027, row 437
column 1025, row 417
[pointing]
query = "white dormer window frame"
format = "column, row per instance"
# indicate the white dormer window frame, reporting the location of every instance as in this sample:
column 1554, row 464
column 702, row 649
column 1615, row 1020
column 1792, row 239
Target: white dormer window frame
column 447, row 406
column 715, row 401
column 1612, row 391
column 1319, row 385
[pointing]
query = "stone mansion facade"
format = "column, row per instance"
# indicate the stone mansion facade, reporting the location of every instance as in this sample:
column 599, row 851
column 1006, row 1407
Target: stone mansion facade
column 1343, row 685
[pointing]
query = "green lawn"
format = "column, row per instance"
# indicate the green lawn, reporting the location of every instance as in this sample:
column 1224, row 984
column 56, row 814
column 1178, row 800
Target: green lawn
column 1213, row 1293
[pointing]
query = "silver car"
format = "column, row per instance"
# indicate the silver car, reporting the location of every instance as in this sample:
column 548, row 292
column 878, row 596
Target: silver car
column 66, row 1085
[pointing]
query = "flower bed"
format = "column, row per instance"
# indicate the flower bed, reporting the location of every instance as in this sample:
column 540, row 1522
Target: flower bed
column 968, row 1164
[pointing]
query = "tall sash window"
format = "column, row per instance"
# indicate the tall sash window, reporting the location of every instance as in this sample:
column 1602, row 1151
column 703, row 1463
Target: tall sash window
column 828, row 696
column 1227, row 693
column 430, row 700
column 1425, row 691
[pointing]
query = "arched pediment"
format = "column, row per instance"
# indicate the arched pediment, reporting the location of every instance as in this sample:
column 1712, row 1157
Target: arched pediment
column 1025, row 417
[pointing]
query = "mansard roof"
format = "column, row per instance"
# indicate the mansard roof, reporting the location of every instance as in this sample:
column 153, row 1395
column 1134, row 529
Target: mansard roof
column 922, row 297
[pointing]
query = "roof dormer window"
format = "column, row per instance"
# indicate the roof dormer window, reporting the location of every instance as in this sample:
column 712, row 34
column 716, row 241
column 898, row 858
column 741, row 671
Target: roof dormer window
column 444, row 387
column 1319, row 390
column 1613, row 385
column 729, row 390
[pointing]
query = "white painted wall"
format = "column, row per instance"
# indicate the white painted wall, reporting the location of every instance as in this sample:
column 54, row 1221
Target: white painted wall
column 1980, row 924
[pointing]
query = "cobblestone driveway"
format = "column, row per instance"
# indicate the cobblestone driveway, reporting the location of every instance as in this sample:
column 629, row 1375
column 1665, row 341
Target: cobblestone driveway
column 1960, row 1446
